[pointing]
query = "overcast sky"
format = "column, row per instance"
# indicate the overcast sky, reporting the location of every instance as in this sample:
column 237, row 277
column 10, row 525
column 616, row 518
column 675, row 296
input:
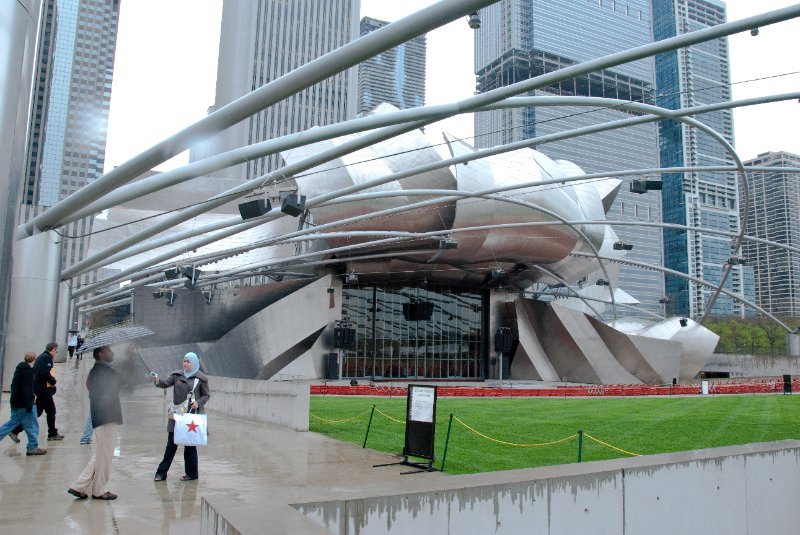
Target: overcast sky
column 166, row 61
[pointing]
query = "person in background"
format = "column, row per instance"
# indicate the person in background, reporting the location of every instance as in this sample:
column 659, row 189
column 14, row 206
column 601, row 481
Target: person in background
column 72, row 343
column 81, row 341
column 191, row 387
column 106, row 412
column 22, row 406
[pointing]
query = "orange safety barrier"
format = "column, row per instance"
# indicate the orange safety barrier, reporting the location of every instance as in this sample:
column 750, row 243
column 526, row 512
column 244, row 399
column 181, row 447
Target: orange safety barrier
column 752, row 386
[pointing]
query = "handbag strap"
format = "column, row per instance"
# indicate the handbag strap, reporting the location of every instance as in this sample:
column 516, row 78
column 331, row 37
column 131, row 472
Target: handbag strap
column 191, row 393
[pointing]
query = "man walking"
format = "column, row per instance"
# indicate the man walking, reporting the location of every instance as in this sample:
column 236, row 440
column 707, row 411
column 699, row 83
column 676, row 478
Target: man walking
column 22, row 406
column 106, row 411
column 44, row 386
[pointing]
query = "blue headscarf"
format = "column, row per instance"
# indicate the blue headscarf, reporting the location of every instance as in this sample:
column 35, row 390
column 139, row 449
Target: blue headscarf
column 191, row 357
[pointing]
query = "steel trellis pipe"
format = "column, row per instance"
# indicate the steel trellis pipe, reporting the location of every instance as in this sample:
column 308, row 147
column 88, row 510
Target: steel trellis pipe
column 102, row 258
column 312, row 72
column 497, row 95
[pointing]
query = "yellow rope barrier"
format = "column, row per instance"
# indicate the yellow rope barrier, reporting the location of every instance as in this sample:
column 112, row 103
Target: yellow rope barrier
column 587, row 435
column 387, row 416
column 456, row 418
column 338, row 421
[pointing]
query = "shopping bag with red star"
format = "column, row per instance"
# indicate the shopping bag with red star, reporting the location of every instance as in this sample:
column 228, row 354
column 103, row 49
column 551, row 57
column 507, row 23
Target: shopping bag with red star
column 191, row 429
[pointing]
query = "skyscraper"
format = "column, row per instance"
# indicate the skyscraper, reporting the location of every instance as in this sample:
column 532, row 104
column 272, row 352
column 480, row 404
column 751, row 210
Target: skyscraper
column 260, row 41
column 694, row 76
column 71, row 99
column 774, row 215
column 520, row 39
column 396, row 76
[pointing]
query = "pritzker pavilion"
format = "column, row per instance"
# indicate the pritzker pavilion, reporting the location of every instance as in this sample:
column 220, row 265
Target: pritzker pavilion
column 378, row 252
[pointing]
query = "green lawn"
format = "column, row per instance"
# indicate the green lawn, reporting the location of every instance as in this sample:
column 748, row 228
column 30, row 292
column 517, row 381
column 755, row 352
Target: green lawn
column 637, row 425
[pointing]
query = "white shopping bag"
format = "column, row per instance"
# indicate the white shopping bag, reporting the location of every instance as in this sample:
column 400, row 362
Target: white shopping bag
column 191, row 429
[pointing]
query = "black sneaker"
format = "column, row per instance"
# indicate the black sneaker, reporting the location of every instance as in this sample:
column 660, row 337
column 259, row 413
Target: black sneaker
column 14, row 437
column 56, row 437
column 35, row 451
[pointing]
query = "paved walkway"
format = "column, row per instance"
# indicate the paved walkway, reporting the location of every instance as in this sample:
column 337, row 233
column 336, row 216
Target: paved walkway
column 244, row 464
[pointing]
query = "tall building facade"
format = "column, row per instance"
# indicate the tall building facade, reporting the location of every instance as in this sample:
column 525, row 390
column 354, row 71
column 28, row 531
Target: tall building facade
column 69, row 118
column 694, row 76
column 521, row 39
column 396, row 76
column 774, row 215
column 261, row 40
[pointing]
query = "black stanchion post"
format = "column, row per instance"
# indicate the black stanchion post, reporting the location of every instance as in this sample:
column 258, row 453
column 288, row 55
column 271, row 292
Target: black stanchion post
column 580, row 445
column 446, row 441
column 368, row 426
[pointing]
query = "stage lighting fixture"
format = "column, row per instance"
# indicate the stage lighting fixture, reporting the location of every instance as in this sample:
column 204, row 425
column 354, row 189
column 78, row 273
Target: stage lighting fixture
column 622, row 246
column 474, row 20
column 171, row 299
column 448, row 243
column 643, row 186
column 602, row 282
column 684, row 322
column 351, row 278
column 172, row 274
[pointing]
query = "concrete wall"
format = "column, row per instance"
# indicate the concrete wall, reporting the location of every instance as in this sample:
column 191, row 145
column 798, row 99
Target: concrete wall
column 192, row 319
column 279, row 334
column 32, row 323
column 727, row 491
column 18, row 23
column 283, row 403
column 753, row 365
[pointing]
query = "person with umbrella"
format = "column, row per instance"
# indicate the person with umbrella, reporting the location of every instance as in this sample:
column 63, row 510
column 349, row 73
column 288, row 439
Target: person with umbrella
column 104, row 385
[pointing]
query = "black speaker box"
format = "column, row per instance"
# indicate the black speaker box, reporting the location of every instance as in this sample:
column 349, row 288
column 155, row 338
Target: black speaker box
column 293, row 204
column 343, row 337
column 331, row 366
column 256, row 208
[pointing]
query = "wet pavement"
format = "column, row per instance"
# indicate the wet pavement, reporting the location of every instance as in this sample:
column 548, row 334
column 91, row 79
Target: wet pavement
column 253, row 468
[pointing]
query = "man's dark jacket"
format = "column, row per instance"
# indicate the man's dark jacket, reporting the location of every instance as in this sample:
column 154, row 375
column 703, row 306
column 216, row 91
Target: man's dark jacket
column 104, row 385
column 41, row 375
column 22, row 387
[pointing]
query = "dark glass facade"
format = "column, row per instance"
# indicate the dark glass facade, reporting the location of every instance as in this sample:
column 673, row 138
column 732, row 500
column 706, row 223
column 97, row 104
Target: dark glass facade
column 409, row 331
column 522, row 39
column 695, row 76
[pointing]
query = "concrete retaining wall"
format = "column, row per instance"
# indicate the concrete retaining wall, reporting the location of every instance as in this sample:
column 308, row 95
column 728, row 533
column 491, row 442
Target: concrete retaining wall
column 283, row 403
column 734, row 490
column 753, row 365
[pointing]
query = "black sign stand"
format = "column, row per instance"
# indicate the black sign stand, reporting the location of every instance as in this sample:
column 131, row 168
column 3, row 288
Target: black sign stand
column 420, row 428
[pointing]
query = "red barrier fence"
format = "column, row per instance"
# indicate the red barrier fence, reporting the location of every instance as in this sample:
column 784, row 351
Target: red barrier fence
column 750, row 386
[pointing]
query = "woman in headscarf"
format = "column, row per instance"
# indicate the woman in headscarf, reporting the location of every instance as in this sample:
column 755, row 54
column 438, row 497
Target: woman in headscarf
column 190, row 387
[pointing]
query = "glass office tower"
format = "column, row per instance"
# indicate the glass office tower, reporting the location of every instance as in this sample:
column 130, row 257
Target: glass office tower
column 396, row 76
column 520, row 39
column 71, row 100
column 261, row 40
column 774, row 215
column 695, row 76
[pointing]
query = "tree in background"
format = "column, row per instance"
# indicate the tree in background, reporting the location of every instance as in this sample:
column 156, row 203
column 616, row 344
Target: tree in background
column 758, row 335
